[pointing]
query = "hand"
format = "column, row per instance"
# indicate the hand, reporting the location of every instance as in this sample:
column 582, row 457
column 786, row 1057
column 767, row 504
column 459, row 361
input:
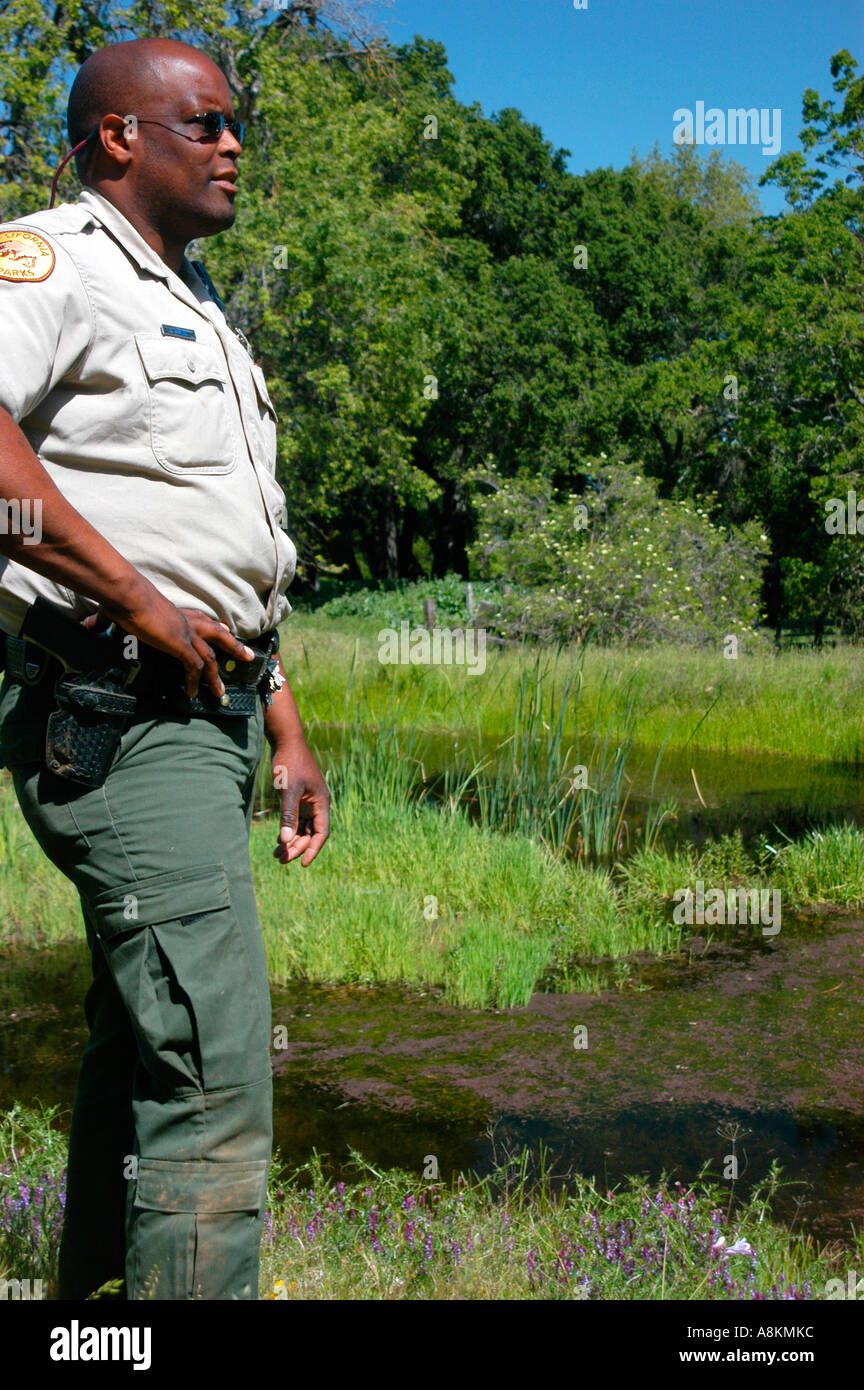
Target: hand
column 184, row 633
column 305, row 819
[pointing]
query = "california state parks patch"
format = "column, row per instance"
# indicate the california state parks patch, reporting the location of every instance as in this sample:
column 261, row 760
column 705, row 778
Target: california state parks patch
column 24, row 255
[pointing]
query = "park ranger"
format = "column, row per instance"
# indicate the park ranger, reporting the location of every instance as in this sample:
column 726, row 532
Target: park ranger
column 140, row 592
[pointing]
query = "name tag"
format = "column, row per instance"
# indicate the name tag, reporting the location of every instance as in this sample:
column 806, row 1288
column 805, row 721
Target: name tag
column 170, row 331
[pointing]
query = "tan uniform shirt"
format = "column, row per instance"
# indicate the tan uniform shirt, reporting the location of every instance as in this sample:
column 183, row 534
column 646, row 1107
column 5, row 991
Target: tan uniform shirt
column 147, row 412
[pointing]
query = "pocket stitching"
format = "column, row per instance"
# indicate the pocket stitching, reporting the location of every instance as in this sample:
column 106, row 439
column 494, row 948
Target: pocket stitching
column 224, row 429
column 196, row 877
column 261, row 388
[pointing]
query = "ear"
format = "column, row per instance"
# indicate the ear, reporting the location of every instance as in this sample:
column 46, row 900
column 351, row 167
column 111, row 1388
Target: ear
column 117, row 136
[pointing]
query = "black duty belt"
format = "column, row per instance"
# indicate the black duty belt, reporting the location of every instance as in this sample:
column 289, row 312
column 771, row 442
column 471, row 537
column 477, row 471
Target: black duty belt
column 97, row 683
column 52, row 646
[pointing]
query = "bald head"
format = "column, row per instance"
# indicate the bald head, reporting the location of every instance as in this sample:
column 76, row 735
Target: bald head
column 120, row 79
column 165, row 140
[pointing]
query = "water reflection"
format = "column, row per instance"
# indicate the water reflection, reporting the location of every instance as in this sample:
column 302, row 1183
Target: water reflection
column 763, row 1041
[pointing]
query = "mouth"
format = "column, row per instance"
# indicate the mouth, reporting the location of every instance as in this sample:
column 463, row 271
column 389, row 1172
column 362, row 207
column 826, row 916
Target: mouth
column 227, row 180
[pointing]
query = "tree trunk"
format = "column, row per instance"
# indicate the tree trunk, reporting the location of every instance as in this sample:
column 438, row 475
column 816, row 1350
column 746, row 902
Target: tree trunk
column 391, row 539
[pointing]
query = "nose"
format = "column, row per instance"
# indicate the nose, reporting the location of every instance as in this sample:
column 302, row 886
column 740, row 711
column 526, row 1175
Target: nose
column 229, row 144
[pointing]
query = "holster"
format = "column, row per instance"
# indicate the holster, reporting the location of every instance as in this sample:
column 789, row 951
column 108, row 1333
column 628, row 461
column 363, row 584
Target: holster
column 83, row 734
column 93, row 695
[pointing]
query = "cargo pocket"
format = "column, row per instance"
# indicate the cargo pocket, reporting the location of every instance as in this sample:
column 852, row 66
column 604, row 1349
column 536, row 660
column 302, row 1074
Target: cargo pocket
column 191, row 429
column 177, row 955
column 194, row 1230
column 163, row 1185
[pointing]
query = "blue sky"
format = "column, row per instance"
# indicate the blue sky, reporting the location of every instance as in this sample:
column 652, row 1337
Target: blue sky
column 602, row 80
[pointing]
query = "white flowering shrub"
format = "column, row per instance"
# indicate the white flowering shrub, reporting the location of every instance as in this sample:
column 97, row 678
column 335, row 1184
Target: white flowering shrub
column 617, row 562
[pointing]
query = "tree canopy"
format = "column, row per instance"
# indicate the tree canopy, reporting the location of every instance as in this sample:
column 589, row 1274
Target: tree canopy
column 437, row 301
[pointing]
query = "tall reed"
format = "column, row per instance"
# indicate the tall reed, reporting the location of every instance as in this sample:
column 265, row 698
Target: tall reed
column 566, row 790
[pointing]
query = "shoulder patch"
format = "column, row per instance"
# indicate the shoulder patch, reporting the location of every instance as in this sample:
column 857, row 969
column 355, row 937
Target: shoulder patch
column 24, row 255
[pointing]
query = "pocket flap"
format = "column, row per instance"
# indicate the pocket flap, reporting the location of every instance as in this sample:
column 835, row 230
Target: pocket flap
column 145, row 902
column 261, row 387
column 171, row 1185
column 173, row 359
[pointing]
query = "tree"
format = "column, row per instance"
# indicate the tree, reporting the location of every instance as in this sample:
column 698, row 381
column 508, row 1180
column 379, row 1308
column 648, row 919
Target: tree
column 616, row 562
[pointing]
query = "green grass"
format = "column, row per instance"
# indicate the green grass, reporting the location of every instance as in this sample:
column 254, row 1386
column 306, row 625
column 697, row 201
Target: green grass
column 32, row 1193
column 825, row 866
column 410, row 894
column 803, row 704
column 515, row 1234
column 390, row 1236
column 419, row 894
column 38, row 906
column 500, row 879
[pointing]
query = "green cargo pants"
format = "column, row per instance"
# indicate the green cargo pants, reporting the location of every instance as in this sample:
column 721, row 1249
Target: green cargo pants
column 172, row 1124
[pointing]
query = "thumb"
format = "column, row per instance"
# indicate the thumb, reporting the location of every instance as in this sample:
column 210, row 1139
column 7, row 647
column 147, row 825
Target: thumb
column 288, row 818
column 98, row 620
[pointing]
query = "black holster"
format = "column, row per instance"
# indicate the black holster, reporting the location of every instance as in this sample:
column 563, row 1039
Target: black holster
column 95, row 705
column 83, row 734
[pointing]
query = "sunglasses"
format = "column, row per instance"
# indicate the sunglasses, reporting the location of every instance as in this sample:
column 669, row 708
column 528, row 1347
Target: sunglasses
column 211, row 122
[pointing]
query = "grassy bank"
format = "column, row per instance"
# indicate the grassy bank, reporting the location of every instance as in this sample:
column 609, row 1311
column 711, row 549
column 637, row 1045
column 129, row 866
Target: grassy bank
column 418, row 893
column 392, row 1235
column 430, row 900
column 500, row 877
column 803, row 704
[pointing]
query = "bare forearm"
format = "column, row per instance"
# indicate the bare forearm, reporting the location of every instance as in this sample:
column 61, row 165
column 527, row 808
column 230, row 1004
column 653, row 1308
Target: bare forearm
column 304, row 824
column 66, row 547
column 282, row 723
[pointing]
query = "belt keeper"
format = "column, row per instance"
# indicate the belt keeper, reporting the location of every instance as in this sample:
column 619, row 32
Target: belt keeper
column 27, row 663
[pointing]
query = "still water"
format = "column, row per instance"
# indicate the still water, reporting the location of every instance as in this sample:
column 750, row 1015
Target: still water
column 714, row 793
column 749, row 1047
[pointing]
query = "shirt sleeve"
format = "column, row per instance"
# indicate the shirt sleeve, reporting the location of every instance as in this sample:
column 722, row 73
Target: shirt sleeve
column 46, row 325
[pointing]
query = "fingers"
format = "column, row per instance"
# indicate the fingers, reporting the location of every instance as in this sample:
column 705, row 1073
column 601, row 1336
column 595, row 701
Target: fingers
column 230, row 643
column 307, row 844
column 313, row 832
column 288, row 818
column 184, row 633
column 194, row 665
column 210, row 671
column 287, row 853
column 316, row 843
column 100, row 621
column 205, row 630
column 214, row 631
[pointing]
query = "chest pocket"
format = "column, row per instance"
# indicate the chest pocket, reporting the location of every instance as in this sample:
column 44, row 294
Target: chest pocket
column 267, row 411
column 191, row 428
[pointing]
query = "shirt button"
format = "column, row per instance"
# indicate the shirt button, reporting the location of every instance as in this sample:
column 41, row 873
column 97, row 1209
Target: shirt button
column 191, row 364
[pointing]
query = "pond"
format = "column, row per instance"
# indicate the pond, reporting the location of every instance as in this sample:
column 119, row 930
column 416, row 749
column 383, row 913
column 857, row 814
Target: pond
column 715, row 793
column 746, row 1047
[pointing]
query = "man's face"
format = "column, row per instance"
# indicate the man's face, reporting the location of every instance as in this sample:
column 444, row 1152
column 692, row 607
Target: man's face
column 186, row 179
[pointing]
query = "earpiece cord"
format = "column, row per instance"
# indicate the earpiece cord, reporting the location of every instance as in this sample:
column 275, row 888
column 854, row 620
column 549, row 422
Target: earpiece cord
column 61, row 167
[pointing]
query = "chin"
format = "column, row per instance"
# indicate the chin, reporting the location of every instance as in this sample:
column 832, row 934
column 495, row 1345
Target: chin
column 213, row 219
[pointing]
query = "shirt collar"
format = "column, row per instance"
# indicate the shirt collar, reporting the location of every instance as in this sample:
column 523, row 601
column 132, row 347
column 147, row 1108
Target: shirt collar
column 130, row 239
column 134, row 244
